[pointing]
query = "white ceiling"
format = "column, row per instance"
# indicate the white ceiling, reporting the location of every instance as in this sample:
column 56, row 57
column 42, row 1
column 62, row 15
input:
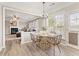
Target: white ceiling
column 36, row 8
column 32, row 8
column 22, row 16
column 57, row 5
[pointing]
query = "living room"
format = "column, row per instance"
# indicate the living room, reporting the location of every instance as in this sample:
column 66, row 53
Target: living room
column 44, row 20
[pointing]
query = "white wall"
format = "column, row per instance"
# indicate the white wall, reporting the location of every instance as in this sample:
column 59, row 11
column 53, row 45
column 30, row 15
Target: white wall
column 0, row 27
column 22, row 24
column 40, row 24
column 7, row 26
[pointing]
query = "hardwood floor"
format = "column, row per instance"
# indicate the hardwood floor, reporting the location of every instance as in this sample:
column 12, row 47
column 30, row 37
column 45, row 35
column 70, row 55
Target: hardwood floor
column 14, row 48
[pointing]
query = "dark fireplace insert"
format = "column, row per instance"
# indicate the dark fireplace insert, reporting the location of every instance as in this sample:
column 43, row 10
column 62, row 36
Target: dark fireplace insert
column 14, row 30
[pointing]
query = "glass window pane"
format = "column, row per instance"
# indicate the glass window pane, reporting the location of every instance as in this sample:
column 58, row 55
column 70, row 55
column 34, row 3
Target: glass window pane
column 74, row 21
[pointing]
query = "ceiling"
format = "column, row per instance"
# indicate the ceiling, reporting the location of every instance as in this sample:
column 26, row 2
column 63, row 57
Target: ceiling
column 57, row 6
column 36, row 8
column 32, row 9
column 22, row 16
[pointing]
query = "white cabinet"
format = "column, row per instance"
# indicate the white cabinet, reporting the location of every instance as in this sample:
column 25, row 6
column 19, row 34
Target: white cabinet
column 25, row 37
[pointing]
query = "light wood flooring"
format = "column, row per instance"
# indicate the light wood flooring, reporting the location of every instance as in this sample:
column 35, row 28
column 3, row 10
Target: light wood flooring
column 14, row 48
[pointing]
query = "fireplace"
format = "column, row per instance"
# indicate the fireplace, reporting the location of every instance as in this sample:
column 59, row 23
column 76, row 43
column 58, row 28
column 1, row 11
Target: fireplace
column 14, row 30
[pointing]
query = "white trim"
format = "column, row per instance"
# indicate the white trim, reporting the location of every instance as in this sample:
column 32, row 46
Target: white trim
column 17, row 10
column 26, row 42
column 73, row 46
column 3, row 16
column 0, row 49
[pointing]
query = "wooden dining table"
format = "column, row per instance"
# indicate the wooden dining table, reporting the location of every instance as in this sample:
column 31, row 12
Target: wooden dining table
column 50, row 38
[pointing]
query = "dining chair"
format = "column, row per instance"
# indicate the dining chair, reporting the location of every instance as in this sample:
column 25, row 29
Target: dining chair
column 35, row 39
column 41, row 41
column 58, row 41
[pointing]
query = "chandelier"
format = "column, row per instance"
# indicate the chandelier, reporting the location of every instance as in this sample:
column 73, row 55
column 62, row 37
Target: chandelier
column 44, row 11
column 44, row 15
column 46, row 6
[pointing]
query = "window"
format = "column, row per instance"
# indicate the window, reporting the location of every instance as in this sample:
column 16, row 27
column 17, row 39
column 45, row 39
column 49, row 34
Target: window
column 59, row 24
column 56, row 23
column 74, row 21
column 59, row 19
column 51, row 21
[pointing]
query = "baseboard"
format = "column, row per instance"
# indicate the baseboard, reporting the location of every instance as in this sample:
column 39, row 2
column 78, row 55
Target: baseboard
column 63, row 44
column 0, row 49
column 73, row 46
column 26, row 42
